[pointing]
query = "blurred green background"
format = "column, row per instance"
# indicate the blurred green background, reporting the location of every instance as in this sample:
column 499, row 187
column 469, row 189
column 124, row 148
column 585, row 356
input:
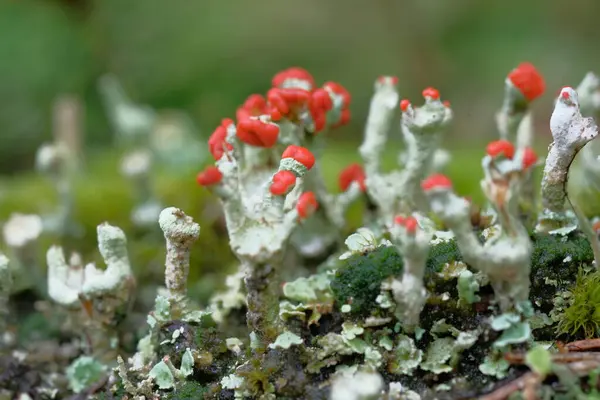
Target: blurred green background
column 205, row 56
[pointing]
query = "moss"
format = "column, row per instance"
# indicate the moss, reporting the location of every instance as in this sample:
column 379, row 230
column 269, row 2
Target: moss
column 441, row 254
column 360, row 279
column 189, row 390
column 583, row 315
column 549, row 270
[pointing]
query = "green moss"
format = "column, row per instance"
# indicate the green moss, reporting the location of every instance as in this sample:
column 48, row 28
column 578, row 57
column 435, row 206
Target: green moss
column 555, row 262
column 189, row 390
column 583, row 315
column 360, row 279
column 441, row 254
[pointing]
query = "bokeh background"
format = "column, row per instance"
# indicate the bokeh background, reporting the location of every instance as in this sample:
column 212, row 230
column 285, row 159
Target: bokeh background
column 204, row 57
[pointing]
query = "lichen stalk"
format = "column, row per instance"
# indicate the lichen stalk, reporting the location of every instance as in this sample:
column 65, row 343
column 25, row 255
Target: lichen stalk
column 399, row 191
column 409, row 292
column 21, row 233
column 505, row 257
column 260, row 223
column 588, row 93
column 54, row 161
column 262, row 297
column 6, row 282
column 570, row 131
column 381, row 112
column 136, row 166
column 424, row 126
column 522, row 85
column 95, row 298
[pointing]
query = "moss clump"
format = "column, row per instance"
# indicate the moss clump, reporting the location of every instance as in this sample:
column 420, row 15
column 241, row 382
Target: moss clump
column 360, row 279
column 583, row 315
column 189, row 390
column 442, row 254
column 554, row 264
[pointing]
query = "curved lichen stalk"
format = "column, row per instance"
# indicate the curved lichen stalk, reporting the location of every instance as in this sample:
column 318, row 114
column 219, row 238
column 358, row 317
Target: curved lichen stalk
column 505, row 257
column 522, row 86
column 96, row 298
column 571, row 132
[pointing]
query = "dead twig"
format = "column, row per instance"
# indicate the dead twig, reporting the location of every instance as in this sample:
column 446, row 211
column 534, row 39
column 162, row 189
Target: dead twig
column 583, row 345
column 525, row 381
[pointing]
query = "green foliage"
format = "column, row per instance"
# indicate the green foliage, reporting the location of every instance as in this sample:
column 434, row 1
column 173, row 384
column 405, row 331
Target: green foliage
column 360, row 279
column 583, row 315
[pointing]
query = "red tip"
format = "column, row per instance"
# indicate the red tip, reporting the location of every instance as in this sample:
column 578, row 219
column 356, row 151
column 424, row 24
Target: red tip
column 436, row 181
column 411, row 225
column 404, row 104
column 216, row 142
column 340, row 91
column 292, row 73
column 501, row 147
column 565, row 95
column 320, row 99
column 399, row 220
column 210, row 176
column 307, row 205
column 352, row 173
column 282, row 183
column 446, row 104
column 528, row 80
column 300, row 154
column 529, row 158
column 257, row 133
column 432, row 93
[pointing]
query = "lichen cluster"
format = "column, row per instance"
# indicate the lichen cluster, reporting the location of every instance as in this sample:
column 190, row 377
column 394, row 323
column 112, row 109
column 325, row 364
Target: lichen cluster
column 429, row 300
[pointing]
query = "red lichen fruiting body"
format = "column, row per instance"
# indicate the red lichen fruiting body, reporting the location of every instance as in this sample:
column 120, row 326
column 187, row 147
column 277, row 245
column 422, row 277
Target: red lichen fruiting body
column 500, row 147
column 411, row 225
column 307, row 205
column 528, row 80
column 282, row 183
column 529, row 158
column 300, row 154
column 292, row 73
column 340, row 91
column 404, row 104
column 217, row 141
column 254, row 106
column 209, row 176
column 352, row 173
column 399, row 220
column 257, row 133
column 436, row 181
column 432, row 93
